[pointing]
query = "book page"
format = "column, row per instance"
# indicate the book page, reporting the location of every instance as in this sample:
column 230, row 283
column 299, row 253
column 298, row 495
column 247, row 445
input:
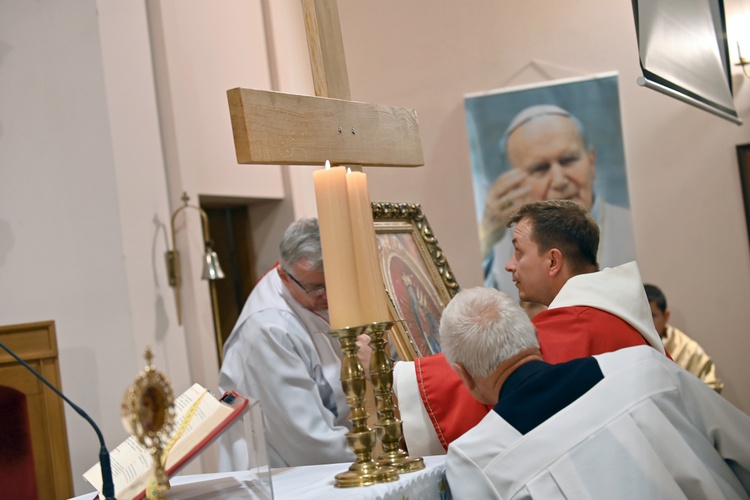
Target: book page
column 132, row 464
column 193, row 428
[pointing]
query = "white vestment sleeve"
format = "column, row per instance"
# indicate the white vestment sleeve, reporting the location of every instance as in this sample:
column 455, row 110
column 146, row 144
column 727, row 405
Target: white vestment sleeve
column 726, row 427
column 285, row 374
column 649, row 429
column 468, row 456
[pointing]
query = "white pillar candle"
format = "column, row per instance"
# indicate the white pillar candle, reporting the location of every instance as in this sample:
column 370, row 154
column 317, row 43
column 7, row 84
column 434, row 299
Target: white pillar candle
column 344, row 304
column 369, row 274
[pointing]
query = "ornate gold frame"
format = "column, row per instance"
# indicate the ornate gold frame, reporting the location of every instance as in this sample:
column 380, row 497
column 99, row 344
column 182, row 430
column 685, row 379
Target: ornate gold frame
column 397, row 223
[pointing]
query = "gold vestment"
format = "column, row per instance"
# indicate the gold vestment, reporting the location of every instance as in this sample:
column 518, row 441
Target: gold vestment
column 690, row 355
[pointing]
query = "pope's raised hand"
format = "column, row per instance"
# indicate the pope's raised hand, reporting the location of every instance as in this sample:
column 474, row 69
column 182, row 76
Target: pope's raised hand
column 505, row 196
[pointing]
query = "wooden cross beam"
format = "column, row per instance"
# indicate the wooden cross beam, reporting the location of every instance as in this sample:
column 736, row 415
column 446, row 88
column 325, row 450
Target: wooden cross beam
column 288, row 129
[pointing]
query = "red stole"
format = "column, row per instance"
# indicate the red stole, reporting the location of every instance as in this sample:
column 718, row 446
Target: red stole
column 450, row 405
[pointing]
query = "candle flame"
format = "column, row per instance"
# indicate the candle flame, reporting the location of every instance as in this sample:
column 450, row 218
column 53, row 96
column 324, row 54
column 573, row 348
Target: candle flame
column 348, row 170
column 328, row 164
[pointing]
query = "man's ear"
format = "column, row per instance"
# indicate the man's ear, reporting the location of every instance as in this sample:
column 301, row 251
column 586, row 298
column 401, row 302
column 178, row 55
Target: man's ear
column 283, row 275
column 465, row 377
column 592, row 159
column 666, row 315
column 555, row 261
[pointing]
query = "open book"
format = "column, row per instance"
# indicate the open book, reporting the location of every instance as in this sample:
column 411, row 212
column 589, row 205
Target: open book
column 199, row 419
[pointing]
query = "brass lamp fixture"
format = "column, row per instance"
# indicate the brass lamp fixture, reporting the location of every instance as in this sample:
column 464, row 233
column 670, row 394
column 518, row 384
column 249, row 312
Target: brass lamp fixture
column 211, row 268
column 744, row 61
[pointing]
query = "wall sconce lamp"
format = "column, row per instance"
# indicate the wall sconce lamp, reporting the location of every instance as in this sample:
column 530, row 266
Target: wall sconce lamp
column 211, row 268
column 744, row 62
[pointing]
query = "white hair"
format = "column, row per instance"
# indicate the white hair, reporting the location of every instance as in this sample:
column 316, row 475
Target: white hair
column 301, row 240
column 482, row 327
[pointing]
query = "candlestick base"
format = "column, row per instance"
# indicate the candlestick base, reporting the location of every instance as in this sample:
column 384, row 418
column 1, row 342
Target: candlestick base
column 389, row 429
column 361, row 439
column 401, row 461
column 365, row 475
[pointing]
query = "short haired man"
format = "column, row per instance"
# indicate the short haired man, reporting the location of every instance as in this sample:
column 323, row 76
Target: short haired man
column 590, row 312
column 280, row 353
column 685, row 351
column 549, row 158
column 627, row 424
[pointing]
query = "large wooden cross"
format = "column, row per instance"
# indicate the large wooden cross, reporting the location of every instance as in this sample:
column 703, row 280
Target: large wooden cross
column 288, row 129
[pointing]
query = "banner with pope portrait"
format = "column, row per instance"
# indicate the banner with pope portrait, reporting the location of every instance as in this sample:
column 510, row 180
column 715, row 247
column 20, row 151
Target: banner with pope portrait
column 556, row 140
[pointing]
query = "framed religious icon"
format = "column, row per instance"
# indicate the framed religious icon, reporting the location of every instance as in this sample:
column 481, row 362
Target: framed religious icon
column 417, row 277
column 743, row 157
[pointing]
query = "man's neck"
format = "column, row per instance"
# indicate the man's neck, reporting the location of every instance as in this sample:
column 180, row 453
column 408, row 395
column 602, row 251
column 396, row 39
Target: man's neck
column 494, row 382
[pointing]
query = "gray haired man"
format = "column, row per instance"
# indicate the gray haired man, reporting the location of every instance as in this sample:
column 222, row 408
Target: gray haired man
column 626, row 424
column 280, row 353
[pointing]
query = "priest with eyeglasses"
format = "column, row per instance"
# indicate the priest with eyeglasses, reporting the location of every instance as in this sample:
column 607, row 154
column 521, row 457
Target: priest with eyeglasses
column 280, row 353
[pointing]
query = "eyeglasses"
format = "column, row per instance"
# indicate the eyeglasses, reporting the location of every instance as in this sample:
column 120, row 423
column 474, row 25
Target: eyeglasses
column 316, row 291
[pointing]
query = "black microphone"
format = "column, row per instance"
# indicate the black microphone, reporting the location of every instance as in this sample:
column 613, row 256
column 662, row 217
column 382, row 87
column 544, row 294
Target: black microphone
column 108, row 487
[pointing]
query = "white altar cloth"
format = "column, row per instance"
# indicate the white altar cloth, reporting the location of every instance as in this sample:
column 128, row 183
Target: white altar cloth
column 310, row 482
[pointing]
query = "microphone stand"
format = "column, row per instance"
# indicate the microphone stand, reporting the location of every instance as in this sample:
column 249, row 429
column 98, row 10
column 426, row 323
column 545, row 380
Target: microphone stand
column 108, row 487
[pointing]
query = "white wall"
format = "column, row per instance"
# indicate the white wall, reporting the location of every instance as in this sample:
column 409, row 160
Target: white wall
column 62, row 252
column 689, row 223
column 202, row 49
column 93, row 161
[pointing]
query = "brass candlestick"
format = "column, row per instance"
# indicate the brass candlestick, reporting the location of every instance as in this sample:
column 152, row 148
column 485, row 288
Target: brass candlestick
column 148, row 414
column 389, row 429
column 364, row 471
